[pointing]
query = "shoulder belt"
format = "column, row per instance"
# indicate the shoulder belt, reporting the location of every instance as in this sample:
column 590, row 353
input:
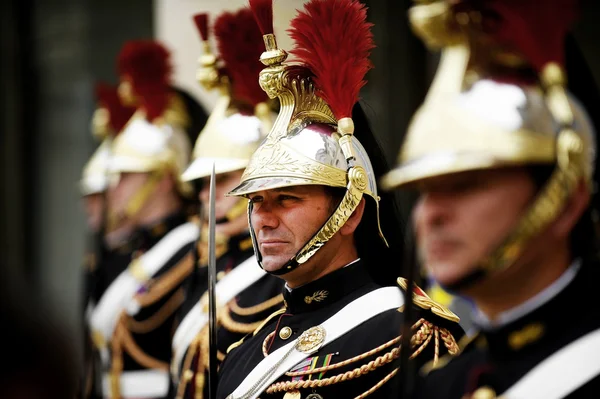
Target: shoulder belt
column 283, row 359
column 120, row 292
column 241, row 277
column 562, row 373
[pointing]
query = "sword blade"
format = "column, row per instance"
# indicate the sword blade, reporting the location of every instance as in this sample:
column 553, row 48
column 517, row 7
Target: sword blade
column 212, row 281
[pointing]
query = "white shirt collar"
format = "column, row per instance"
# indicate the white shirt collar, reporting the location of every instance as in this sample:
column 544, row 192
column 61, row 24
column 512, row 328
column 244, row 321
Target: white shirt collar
column 531, row 304
column 351, row 263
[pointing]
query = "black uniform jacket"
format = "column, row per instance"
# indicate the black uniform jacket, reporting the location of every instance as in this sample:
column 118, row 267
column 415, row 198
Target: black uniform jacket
column 239, row 317
column 495, row 359
column 375, row 340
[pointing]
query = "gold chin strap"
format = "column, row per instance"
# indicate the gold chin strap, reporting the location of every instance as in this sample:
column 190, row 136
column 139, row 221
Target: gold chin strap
column 561, row 184
column 136, row 202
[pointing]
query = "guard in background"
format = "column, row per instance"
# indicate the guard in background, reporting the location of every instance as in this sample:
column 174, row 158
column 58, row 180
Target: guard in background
column 241, row 119
column 134, row 319
column 109, row 120
column 314, row 213
column 503, row 157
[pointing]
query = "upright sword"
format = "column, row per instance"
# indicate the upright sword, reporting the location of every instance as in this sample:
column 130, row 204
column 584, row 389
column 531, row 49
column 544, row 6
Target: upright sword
column 212, row 281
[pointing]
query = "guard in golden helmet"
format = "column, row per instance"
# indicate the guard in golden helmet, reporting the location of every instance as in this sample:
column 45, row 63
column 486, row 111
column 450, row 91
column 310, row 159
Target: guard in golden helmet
column 133, row 321
column 109, row 119
column 239, row 122
column 313, row 209
column 503, row 158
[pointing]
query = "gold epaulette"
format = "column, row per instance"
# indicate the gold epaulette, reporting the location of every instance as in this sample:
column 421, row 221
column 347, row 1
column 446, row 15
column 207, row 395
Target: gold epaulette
column 422, row 300
column 444, row 360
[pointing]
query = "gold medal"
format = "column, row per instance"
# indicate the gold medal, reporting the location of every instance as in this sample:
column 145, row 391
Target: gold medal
column 292, row 395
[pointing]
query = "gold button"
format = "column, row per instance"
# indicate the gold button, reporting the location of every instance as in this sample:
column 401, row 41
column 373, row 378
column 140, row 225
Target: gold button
column 484, row 393
column 285, row 333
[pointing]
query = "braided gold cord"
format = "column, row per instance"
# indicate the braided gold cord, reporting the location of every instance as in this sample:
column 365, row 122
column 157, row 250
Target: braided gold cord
column 158, row 318
column 436, row 353
column 349, row 375
column 235, row 326
column 345, row 362
column 261, row 307
column 378, row 385
column 449, row 341
column 424, row 336
column 185, row 377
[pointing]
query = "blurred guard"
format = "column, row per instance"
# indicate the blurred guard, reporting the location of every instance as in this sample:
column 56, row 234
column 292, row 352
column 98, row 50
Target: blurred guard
column 239, row 122
column 133, row 321
column 109, row 119
column 503, row 158
column 314, row 220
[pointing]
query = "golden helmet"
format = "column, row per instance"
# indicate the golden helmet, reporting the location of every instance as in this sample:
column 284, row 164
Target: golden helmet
column 312, row 141
column 241, row 117
column 499, row 99
column 109, row 119
column 154, row 140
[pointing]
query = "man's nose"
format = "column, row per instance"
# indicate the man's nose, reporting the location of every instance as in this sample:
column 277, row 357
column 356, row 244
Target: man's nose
column 431, row 210
column 263, row 216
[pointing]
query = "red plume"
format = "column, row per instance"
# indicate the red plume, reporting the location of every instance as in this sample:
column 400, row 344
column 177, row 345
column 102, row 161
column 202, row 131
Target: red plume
column 537, row 31
column 334, row 40
column 201, row 21
column 263, row 13
column 108, row 97
column 147, row 64
column 240, row 45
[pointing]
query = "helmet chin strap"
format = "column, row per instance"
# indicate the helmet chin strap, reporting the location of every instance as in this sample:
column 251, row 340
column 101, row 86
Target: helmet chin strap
column 357, row 183
column 546, row 208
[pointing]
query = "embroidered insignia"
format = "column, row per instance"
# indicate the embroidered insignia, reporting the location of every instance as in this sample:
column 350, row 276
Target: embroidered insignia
column 422, row 300
column 318, row 296
column 526, row 336
column 311, row 340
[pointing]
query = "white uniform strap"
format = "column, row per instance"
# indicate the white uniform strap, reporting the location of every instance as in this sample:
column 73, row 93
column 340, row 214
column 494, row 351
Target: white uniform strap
column 284, row 358
column 142, row 384
column 120, row 292
column 236, row 281
column 562, row 373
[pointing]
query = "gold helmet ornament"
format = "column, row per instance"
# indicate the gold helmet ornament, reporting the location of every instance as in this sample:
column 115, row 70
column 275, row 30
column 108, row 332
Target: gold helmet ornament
column 109, row 120
column 312, row 140
column 499, row 100
column 241, row 117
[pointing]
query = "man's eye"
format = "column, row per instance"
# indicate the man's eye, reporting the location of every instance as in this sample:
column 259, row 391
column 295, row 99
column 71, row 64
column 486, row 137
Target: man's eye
column 256, row 199
column 284, row 197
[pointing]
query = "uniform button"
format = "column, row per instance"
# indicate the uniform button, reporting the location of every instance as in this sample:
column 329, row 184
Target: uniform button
column 285, row 333
column 484, row 393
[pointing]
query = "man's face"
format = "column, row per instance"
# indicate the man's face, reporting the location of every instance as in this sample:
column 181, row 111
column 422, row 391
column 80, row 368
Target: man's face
column 121, row 194
column 224, row 183
column 94, row 204
column 460, row 219
column 284, row 219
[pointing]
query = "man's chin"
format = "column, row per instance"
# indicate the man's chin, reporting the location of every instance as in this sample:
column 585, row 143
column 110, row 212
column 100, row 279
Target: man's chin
column 272, row 265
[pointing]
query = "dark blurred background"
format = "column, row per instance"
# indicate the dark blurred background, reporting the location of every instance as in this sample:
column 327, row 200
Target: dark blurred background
column 53, row 52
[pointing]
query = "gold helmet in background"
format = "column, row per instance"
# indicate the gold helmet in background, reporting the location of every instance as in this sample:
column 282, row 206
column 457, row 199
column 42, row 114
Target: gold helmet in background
column 108, row 120
column 499, row 100
column 154, row 140
column 242, row 115
column 312, row 141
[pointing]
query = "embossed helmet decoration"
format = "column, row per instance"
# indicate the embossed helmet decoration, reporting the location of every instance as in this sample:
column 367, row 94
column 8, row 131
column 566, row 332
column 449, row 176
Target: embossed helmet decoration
column 312, row 141
column 499, row 100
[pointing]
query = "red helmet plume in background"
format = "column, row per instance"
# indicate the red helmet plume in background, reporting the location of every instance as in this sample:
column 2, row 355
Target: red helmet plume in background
column 240, row 45
column 537, row 32
column 146, row 64
column 334, row 40
column 201, row 21
column 108, row 98
column 263, row 13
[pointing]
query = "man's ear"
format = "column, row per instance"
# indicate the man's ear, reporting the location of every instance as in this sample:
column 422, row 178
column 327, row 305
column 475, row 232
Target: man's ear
column 350, row 226
column 574, row 208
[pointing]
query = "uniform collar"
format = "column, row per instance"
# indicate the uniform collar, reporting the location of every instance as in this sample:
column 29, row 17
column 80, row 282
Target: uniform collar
column 542, row 319
column 328, row 289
